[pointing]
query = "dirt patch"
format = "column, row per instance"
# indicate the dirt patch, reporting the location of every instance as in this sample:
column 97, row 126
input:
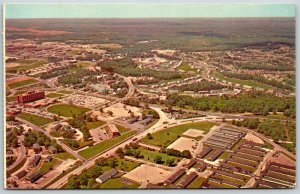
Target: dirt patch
column 147, row 174
column 253, row 138
column 193, row 133
column 19, row 79
column 9, row 65
column 184, row 143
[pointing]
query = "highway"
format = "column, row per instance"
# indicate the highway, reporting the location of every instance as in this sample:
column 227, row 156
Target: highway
column 61, row 182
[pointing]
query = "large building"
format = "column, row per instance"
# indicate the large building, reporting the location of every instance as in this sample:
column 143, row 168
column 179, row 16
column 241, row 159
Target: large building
column 112, row 131
column 30, row 96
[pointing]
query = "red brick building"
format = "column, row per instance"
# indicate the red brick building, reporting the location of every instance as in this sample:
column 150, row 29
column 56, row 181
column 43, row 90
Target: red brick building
column 30, row 96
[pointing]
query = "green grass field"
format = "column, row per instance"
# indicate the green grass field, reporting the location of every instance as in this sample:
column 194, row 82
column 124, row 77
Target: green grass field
column 122, row 129
column 150, row 156
column 95, row 124
column 104, row 145
column 25, row 64
column 54, row 95
column 243, row 82
column 67, row 110
column 196, row 183
column 64, row 92
column 126, row 165
column 185, row 67
column 11, row 98
column 118, row 183
column 64, row 156
column 34, row 119
column 167, row 136
column 21, row 83
column 48, row 165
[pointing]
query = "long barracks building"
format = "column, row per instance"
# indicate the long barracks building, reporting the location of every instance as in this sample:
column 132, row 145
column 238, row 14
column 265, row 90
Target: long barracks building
column 31, row 96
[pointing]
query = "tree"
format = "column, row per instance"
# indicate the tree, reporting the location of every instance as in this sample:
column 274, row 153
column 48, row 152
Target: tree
column 120, row 152
column 110, row 113
column 186, row 154
column 170, row 162
column 101, row 110
column 149, row 136
column 158, row 160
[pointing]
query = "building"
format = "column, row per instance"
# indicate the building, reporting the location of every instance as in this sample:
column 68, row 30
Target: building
column 112, row 131
column 52, row 149
column 21, row 174
column 36, row 147
column 35, row 161
column 106, row 175
column 30, row 96
column 34, row 177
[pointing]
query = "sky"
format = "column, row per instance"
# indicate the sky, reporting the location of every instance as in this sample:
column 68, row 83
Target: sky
column 147, row 10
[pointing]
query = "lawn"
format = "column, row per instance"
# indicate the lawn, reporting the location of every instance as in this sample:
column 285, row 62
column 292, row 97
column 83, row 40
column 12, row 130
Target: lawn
column 11, row 98
column 126, row 165
column 167, row 136
column 122, row 129
column 224, row 155
column 25, row 64
column 54, row 95
column 64, row 92
column 150, row 156
column 196, row 183
column 118, row 183
column 34, row 119
column 64, row 156
column 67, row 110
column 104, row 145
column 21, row 83
column 243, row 82
column 48, row 165
column 185, row 67
column 95, row 124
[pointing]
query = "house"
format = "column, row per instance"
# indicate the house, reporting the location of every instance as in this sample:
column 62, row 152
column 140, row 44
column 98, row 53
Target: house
column 48, row 158
column 56, row 127
column 34, row 177
column 35, row 161
column 21, row 174
column 106, row 175
column 36, row 147
column 146, row 121
column 112, row 131
column 52, row 149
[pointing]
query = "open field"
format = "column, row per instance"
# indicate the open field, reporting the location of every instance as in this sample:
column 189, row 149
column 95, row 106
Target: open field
column 118, row 183
column 21, row 83
column 167, row 136
column 47, row 166
column 54, row 95
column 24, row 65
column 196, row 183
column 66, row 110
column 64, row 156
column 102, row 146
column 184, row 143
column 95, row 124
column 34, row 119
column 243, row 82
column 146, row 174
column 151, row 155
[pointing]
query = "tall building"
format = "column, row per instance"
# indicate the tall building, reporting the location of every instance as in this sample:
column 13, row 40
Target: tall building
column 31, row 96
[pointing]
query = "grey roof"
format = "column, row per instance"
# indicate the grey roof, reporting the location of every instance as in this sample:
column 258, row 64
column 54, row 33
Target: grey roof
column 108, row 174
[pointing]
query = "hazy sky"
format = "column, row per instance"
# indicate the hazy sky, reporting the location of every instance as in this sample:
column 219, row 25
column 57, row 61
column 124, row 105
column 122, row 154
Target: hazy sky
column 147, row 10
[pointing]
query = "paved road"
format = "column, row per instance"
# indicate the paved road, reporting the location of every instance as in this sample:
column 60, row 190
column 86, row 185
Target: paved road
column 61, row 182
column 65, row 147
column 21, row 155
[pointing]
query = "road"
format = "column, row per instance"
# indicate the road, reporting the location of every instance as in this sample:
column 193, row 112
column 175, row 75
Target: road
column 21, row 155
column 61, row 182
column 65, row 147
